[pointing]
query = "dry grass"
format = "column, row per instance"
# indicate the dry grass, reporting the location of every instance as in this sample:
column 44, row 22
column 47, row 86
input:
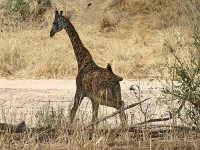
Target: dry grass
column 102, row 143
column 129, row 34
column 33, row 54
column 53, row 132
column 46, row 115
column 133, row 47
column 103, row 138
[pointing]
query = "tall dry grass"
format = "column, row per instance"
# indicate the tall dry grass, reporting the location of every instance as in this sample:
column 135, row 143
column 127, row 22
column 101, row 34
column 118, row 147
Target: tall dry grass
column 53, row 132
column 133, row 46
column 33, row 54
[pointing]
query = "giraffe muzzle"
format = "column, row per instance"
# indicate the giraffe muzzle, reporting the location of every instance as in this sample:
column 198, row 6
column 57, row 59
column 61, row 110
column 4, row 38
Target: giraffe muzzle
column 52, row 33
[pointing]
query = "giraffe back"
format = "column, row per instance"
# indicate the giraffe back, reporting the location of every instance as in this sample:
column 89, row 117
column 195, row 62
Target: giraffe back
column 99, row 82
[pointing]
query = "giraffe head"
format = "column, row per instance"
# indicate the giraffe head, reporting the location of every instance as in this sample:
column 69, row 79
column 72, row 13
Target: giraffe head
column 58, row 23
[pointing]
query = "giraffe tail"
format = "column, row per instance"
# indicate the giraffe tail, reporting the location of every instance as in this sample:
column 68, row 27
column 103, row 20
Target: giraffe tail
column 109, row 68
column 114, row 75
column 118, row 78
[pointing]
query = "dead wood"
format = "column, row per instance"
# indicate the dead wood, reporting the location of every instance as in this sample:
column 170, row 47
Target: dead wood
column 21, row 127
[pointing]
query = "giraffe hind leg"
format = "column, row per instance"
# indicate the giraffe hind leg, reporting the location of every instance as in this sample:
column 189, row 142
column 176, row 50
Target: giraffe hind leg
column 118, row 104
column 122, row 115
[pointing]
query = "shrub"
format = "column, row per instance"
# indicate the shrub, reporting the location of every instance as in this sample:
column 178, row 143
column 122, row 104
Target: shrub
column 26, row 7
column 187, row 91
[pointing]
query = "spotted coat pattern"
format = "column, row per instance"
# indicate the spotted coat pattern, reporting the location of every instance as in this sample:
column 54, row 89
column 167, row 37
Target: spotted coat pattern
column 99, row 84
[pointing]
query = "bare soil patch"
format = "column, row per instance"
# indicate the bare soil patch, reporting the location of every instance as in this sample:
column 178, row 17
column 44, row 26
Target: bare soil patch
column 28, row 96
column 20, row 100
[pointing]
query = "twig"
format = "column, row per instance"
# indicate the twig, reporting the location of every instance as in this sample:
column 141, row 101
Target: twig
column 180, row 127
column 156, row 120
column 116, row 112
column 57, row 101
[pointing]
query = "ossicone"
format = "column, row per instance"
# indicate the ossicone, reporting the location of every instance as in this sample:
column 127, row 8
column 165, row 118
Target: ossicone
column 61, row 12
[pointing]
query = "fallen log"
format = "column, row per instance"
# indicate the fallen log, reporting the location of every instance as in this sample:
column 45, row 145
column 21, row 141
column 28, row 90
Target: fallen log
column 21, row 127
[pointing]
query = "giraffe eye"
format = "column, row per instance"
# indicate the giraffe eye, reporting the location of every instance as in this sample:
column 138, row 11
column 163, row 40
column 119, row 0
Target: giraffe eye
column 55, row 22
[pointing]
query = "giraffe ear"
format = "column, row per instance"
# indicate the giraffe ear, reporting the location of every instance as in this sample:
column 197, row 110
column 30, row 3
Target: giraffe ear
column 56, row 13
column 61, row 12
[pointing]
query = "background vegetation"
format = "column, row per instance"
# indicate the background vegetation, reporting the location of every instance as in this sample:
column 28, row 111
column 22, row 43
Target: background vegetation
column 140, row 38
column 186, row 93
column 127, row 34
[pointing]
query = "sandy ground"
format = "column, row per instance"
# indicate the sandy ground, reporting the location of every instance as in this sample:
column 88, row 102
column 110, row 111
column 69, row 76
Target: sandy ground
column 22, row 99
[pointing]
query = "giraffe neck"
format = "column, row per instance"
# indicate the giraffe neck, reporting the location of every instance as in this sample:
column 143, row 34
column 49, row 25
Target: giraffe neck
column 83, row 56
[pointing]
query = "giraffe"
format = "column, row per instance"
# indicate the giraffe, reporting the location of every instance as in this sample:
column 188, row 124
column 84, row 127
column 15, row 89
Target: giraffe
column 109, row 67
column 99, row 84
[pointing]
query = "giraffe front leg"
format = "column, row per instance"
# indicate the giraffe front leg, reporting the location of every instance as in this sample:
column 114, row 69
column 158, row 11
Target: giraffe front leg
column 77, row 101
column 95, row 109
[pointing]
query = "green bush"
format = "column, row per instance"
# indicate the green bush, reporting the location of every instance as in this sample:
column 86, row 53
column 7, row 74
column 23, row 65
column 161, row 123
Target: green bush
column 187, row 91
column 26, row 7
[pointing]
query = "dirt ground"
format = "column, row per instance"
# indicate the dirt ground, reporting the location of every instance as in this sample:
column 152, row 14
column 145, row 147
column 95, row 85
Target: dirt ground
column 22, row 99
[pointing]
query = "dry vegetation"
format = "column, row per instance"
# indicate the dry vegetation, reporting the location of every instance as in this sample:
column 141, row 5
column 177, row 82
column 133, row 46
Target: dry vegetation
column 131, row 35
column 127, row 34
column 53, row 132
